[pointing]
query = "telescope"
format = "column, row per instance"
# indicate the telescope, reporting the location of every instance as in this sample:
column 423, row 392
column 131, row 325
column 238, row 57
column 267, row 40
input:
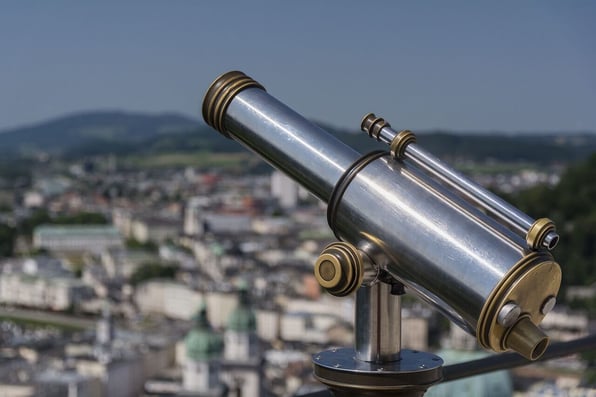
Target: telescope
column 405, row 222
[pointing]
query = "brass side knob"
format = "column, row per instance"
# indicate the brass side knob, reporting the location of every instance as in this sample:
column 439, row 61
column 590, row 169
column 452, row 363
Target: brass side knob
column 541, row 234
column 373, row 125
column 340, row 269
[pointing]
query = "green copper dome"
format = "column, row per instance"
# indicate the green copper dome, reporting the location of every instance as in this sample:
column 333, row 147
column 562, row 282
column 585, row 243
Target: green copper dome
column 243, row 319
column 202, row 342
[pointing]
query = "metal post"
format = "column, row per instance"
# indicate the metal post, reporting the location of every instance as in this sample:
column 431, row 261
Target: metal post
column 377, row 366
column 378, row 324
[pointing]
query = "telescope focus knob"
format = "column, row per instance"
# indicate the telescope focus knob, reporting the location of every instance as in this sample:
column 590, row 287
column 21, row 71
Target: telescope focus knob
column 340, row 268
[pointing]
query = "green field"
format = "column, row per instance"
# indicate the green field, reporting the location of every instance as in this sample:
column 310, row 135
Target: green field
column 230, row 161
column 495, row 168
column 34, row 323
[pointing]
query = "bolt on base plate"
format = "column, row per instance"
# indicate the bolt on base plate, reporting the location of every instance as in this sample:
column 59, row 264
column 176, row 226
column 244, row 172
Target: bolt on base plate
column 345, row 375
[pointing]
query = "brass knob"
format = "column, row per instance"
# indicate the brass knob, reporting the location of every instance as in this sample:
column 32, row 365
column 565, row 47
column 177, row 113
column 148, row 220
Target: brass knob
column 373, row 125
column 538, row 232
column 339, row 269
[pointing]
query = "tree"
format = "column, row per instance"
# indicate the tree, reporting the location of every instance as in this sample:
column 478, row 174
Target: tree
column 42, row 217
column 7, row 239
column 572, row 206
column 152, row 270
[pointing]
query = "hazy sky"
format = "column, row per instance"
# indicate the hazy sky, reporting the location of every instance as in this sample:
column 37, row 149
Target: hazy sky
column 507, row 65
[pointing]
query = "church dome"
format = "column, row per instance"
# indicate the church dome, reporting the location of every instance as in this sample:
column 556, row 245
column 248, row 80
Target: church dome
column 243, row 318
column 202, row 342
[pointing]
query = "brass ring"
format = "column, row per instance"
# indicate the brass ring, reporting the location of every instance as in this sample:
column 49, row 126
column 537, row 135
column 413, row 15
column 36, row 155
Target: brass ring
column 219, row 95
column 538, row 231
column 400, row 142
column 346, row 272
column 373, row 125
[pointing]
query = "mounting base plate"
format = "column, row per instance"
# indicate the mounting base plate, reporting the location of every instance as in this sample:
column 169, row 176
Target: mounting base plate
column 345, row 375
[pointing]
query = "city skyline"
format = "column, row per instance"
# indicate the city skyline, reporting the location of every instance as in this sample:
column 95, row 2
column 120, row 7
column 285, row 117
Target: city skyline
column 466, row 67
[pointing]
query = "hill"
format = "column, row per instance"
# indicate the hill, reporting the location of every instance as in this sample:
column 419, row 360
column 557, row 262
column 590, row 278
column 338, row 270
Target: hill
column 120, row 133
column 66, row 134
column 535, row 148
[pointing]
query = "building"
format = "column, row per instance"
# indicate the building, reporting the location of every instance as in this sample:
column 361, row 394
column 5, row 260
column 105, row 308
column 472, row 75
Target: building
column 122, row 219
column 33, row 199
column 581, row 292
column 214, row 363
column 177, row 300
column 193, row 214
column 45, row 266
column 77, row 238
column 284, row 189
column 198, row 219
column 414, row 333
column 167, row 297
column 53, row 383
column 154, row 229
column 120, row 361
column 122, row 263
column 561, row 324
column 54, row 293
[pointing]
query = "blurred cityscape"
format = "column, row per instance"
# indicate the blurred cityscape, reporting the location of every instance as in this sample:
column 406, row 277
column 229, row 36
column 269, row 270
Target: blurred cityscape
column 197, row 281
column 144, row 254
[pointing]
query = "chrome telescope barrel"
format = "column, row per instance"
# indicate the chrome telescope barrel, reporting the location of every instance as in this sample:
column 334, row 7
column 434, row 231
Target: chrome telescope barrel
column 538, row 233
column 441, row 247
column 240, row 108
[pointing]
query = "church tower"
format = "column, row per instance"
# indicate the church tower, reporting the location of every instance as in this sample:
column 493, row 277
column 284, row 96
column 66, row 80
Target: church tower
column 241, row 341
column 104, row 335
column 242, row 365
column 204, row 347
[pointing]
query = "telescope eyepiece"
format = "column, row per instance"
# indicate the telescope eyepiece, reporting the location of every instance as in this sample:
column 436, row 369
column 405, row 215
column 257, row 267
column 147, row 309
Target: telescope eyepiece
column 526, row 339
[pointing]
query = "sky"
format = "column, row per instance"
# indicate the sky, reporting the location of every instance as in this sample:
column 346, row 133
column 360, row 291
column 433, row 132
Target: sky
column 512, row 66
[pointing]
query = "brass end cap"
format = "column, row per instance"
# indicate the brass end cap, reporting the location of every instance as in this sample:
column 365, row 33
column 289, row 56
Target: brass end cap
column 400, row 142
column 538, row 232
column 533, row 284
column 526, row 339
column 220, row 94
column 373, row 125
column 339, row 269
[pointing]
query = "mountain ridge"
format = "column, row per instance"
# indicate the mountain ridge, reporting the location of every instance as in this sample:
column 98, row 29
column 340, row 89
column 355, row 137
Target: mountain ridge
column 60, row 134
column 121, row 132
column 89, row 114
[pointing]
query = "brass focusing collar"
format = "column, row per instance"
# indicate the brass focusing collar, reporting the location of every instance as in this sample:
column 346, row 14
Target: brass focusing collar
column 340, row 269
column 399, row 143
column 538, row 231
column 220, row 94
column 373, row 125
